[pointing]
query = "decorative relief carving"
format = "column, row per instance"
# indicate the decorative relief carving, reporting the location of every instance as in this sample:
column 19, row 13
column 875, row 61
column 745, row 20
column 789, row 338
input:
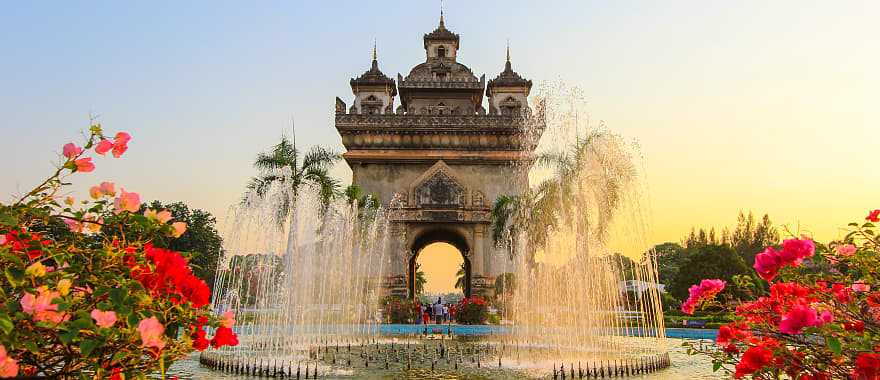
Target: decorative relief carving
column 478, row 198
column 439, row 191
column 449, row 121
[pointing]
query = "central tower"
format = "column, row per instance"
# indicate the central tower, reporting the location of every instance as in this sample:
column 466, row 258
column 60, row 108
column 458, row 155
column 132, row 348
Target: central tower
column 440, row 158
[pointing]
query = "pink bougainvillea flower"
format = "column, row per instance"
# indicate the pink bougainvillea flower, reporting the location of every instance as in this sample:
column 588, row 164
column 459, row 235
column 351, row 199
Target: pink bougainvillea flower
column 705, row 290
column 126, row 201
column 104, row 319
column 151, row 331
column 794, row 251
column 798, row 318
column 873, row 216
column 767, row 263
column 845, row 249
column 159, row 216
column 84, row 165
column 122, row 138
column 179, row 229
column 70, row 151
column 103, row 147
column 826, row 317
column 228, row 319
column 108, row 189
column 860, row 286
column 41, row 306
column 95, row 192
column 73, row 225
column 8, row 365
column 120, row 143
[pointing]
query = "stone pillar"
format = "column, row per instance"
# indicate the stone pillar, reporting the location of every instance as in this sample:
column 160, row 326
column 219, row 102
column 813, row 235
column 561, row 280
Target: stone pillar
column 478, row 260
column 481, row 280
column 395, row 279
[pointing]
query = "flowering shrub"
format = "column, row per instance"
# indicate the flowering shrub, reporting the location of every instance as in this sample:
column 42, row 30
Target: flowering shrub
column 472, row 310
column 821, row 318
column 87, row 289
column 399, row 310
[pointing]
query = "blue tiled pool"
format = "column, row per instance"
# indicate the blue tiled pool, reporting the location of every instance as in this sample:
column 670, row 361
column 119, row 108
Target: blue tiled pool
column 679, row 333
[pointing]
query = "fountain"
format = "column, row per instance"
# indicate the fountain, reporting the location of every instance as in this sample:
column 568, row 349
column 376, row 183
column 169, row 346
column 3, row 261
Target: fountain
column 305, row 284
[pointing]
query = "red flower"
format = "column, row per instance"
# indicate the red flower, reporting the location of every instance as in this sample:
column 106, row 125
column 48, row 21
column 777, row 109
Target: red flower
column 224, row 336
column 857, row 326
column 794, row 251
column 867, row 367
column 172, row 276
column 874, row 299
column 731, row 332
column 800, row 317
column 873, row 216
column 199, row 343
column 116, row 374
column 767, row 263
column 755, row 358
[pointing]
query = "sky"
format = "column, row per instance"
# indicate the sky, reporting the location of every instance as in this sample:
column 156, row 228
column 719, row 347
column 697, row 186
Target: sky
column 749, row 105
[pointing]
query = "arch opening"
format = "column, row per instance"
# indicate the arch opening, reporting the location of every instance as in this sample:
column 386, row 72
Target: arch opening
column 440, row 255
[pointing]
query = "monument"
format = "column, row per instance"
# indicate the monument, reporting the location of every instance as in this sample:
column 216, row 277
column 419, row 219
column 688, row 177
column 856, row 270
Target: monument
column 438, row 158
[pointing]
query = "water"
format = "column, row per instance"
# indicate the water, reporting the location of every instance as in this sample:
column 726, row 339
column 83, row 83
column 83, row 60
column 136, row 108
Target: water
column 293, row 279
column 303, row 277
column 683, row 367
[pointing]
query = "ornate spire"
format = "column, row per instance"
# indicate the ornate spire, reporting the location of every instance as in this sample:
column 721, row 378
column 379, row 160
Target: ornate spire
column 374, row 76
column 441, row 33
column 442, row 24
column 375, row 65
column 507, row 64
column 508, row 77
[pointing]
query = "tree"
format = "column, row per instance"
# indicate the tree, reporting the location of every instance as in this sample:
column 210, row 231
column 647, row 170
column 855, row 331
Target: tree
column 201, row 239
column 460, row 277
column 709, row 261
column 420, row 280
column 670, row 258
column 750, row 237
column 284, row 165
column 595, row 162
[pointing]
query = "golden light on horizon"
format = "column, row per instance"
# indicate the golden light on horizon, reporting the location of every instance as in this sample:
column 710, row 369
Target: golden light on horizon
column 440, row 262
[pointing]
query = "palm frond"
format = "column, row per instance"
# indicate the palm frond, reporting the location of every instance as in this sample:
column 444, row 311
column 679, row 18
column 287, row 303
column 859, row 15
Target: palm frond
column 319, row 158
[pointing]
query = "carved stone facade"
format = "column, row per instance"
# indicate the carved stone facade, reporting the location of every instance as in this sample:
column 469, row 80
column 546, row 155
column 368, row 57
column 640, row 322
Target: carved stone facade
column 440, row 160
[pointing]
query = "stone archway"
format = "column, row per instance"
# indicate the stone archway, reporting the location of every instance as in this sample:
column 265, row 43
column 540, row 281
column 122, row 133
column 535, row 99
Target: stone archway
column 438, row 235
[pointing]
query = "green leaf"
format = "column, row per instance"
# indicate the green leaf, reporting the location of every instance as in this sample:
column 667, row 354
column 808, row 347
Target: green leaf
column 834, row 345
column 87, row 346
column 15, row 276
column 8, row 218
column 6, row 324
column 117, row 295
column 716, row 366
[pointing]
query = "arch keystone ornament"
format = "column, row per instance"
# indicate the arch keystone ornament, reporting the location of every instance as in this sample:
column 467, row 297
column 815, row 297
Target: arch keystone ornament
column 441, row 159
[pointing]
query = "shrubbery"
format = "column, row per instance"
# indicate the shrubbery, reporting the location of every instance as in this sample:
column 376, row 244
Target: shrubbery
column 472, row 311
column 87, row 289
column 821, row 318
column 398, row 310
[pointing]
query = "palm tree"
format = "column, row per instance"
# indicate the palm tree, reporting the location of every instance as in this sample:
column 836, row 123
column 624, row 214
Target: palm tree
column 284, row 164
column 420, row 280
column 460, row 278
column 595, row 166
